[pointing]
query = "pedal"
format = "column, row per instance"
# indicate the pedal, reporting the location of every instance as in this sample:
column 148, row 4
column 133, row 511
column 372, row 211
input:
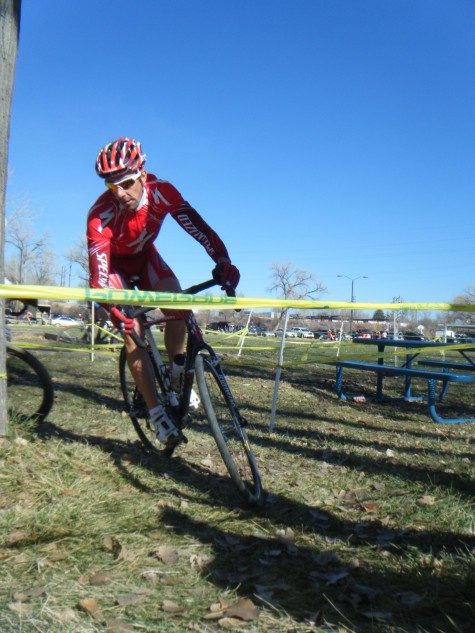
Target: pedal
column 173, row 442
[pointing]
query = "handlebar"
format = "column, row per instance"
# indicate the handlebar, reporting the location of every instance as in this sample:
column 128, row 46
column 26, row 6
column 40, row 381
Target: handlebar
column 192, row 290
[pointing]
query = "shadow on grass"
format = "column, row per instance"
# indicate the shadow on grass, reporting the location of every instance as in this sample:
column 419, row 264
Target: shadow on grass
column 281, row 510
column 281, row 440
column 316, row 585
column 310, row 581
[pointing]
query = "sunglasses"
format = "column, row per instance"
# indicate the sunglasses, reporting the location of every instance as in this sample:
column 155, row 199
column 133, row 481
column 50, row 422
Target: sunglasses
column 124, row 184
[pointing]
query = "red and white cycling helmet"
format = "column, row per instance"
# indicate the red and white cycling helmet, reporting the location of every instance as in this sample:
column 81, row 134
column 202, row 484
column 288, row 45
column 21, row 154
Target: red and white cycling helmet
column 119, row 158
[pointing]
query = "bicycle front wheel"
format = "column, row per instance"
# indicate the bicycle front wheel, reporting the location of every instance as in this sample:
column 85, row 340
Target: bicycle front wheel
column 226, row 426
column 30, row 390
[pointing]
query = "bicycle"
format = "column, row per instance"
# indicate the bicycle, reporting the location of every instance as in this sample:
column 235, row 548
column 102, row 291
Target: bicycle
column 225, row 421
column 30, row 391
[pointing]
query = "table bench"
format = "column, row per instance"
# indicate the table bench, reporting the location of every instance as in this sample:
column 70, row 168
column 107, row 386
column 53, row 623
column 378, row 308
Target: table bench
column 431, row 376
column 443, row 364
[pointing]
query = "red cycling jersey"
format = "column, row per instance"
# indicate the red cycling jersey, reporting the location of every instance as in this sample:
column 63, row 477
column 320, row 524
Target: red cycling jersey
column 121, row 240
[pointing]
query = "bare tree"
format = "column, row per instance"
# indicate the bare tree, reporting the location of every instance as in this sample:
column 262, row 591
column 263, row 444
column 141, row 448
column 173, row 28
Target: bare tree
column 44, row 270
column 294, row 283
column 10, row 11
column 78, row 255
column 467, row 297
column 29, row 249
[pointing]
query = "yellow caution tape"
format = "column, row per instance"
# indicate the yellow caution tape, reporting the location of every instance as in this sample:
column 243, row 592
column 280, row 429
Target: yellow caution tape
column 176, row 300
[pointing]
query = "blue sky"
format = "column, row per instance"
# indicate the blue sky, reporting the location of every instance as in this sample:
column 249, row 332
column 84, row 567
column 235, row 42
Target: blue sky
column 335, row 134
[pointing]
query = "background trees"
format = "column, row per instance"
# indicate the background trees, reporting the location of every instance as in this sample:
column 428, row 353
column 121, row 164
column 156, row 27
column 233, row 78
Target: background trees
column 30, row 259
column 78, row 255
column 467, row 297
column 289, row 282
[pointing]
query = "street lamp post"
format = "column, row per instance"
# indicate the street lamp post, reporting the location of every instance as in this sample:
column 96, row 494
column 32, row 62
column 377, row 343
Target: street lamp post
column 352, row 279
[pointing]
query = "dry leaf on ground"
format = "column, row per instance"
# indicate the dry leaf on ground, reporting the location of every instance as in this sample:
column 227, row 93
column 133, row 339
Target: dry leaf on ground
column 171, row 607
column 23, row 608
column 244, row 609
column 101, row 578
column 168, row 555
column 89, row 605
column 426, row 500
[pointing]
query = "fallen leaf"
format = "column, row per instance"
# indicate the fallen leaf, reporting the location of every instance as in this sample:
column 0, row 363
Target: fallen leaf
column 89, row 605
column 124, row 554
column 432, row 562
column 171, row 607
column 166, row 554
column 199, row 560
column 16, row 537
column 111, row 544
column 426, row 500
column 230, row 623
column 100, row 578
column 128, row 599
column 285, row 535
column 370, row 506
column 244, row 609
column 21, row 607
column 214, row 615
column 156, row 535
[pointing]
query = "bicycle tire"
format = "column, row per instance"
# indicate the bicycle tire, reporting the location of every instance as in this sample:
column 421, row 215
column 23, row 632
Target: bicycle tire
column 138, row 412
column 30, row 392
column 226, row 426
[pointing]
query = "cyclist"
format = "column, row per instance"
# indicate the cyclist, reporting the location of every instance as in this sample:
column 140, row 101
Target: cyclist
column 122, row 226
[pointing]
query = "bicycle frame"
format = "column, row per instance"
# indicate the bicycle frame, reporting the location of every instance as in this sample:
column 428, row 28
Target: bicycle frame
column 195, row 344
column 220, row 409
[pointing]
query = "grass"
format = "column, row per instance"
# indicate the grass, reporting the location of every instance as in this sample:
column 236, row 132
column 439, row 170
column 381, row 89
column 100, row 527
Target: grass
column 369, row 524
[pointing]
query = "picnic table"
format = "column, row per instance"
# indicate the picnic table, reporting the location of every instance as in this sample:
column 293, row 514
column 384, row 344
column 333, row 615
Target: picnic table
column 438, row 371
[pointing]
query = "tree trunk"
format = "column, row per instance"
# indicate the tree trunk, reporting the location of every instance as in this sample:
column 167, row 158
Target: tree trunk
column 10, row 11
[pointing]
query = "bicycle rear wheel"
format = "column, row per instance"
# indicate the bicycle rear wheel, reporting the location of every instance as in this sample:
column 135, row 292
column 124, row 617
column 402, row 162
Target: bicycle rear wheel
column 30, row 390
column 138, row 412
column 226, row 426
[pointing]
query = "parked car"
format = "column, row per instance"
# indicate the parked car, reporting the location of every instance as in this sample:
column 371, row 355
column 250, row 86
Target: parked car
column 413, row 336
column 260, row 330
column 219, row 326
column 320, row 333
column 288, row 334
column 61, row 319
column 302, row 332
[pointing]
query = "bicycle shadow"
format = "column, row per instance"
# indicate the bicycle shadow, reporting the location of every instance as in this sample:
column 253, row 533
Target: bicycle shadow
column 278, row 508
column 295, row 573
